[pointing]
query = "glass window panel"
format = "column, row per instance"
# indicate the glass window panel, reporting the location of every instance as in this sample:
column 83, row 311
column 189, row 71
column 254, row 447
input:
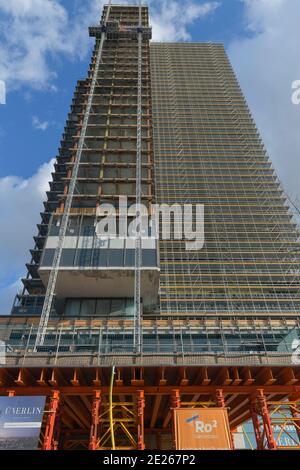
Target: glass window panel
column 103, row 307
column 116, row 257
column 87, row 307
column 72, row 308
column 129, row 311
column 117, row 307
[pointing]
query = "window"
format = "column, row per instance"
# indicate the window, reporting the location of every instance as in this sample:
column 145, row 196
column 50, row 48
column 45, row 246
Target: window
column 117, row 307
column 88, row 307
column 72, row 308
column 103, row 307
column 129, row 310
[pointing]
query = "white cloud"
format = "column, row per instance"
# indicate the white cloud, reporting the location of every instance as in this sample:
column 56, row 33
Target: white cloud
column 170, row 19
column 40, row 125
column 267, row 63
column 20, row 204
column 34, row 31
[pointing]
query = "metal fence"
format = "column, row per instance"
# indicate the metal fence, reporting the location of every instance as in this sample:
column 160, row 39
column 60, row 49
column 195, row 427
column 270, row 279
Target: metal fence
column 119, row 341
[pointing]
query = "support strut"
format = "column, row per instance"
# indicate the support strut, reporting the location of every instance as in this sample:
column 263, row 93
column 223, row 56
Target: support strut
column 220, row 400
column 49, row 439
column 262, row 423
column 140, row 416
column 93, row 445
column 175, row 404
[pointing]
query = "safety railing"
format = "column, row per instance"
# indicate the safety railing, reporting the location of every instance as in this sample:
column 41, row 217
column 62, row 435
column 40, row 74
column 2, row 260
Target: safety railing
column 117, row 341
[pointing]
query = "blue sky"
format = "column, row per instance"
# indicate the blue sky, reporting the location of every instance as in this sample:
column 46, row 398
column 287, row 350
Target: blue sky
column 32, row 146
column 44, row 49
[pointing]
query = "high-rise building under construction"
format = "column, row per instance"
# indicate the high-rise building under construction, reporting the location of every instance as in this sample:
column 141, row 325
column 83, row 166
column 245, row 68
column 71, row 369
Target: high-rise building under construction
column 163, row 325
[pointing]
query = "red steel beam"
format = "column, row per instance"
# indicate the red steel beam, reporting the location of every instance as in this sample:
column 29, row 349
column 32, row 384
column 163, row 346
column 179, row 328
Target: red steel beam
column 220, row 399
column 157, row 390
column 49, row 442
column 262, row 422
column 95, row 421
column 268, row 429
column 140, row 416
column 257, row 429
column 296, row 416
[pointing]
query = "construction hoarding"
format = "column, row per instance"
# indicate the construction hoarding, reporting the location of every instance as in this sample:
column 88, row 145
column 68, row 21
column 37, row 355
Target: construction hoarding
column 20, row 422
column 202, row 428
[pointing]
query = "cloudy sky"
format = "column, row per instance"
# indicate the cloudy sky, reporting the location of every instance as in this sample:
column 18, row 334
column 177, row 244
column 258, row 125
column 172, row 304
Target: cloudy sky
column 45, row 48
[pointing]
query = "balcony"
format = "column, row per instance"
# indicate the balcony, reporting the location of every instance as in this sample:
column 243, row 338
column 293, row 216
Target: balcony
column 94, row 267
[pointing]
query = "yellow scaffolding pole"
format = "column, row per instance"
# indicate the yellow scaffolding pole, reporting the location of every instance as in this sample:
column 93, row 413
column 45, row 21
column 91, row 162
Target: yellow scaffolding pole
column 113, row 445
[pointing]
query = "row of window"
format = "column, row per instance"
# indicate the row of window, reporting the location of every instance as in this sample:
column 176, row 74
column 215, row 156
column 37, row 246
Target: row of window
column 100, row 258
column 103, row 308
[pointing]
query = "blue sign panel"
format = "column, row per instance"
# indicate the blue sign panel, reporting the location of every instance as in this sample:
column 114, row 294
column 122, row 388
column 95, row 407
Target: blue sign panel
column 20, row 422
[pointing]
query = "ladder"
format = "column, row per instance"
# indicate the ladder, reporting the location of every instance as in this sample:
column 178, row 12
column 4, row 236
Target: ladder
column 50, row 291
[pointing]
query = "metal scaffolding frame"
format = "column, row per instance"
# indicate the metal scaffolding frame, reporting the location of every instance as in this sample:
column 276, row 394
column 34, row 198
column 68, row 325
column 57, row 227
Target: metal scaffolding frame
column 50, row 291
column 250, row 263
column 138, row 239
column 142, row 400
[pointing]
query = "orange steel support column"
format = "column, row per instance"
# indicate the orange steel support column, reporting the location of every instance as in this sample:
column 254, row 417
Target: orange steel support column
column 266, row 420
column 95, row 421
column 221, row 404
column 175, row 403
column 140, row 413
column 49, row 443
column 220, row 398
column 296, row 415
column 262, row 429
column 256, row 426
column 57, row 425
